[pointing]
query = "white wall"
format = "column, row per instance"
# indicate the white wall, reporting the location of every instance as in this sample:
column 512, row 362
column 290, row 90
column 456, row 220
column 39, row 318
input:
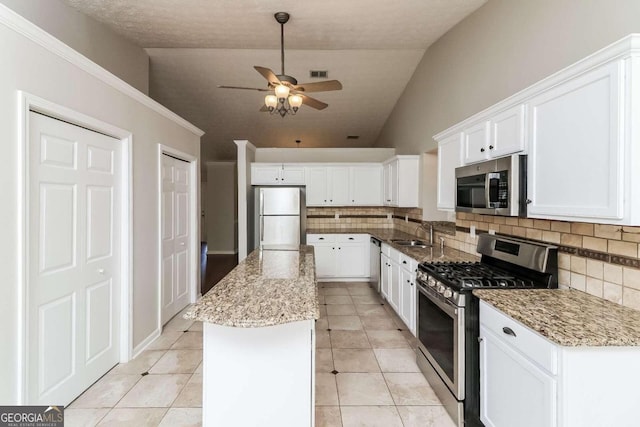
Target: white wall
column 89, row 37
column 31, row 68
column 221, row 208
column 329, row 155
column 246, row 155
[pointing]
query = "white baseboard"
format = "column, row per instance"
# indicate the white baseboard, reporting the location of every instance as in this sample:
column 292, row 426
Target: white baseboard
column 222, row 252
column 344, row 279
column 145, row 343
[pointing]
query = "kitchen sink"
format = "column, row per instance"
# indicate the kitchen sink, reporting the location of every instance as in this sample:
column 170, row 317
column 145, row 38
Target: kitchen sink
column 411, row 243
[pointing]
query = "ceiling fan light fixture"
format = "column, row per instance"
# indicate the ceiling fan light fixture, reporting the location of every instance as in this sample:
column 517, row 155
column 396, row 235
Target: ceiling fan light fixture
column 271, row 101
column 282, row 91
column 295, row 101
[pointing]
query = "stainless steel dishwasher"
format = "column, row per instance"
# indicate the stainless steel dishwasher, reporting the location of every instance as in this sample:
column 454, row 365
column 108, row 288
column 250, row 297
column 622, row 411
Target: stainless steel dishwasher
column 374, row 263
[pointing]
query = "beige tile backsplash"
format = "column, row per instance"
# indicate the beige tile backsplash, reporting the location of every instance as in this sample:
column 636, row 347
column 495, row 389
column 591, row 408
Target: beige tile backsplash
column 612, row 281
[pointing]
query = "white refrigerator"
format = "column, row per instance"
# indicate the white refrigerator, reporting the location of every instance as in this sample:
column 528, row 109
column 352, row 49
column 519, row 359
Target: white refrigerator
column 280, row 217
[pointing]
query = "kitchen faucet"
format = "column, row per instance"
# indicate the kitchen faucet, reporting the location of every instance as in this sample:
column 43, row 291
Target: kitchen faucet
column 419, row 226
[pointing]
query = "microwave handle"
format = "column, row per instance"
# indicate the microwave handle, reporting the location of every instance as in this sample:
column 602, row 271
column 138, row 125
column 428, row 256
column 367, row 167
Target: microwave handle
column 487, row 186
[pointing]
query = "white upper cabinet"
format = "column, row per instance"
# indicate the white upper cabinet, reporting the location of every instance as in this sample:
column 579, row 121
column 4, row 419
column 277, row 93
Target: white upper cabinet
column 576, row 162
column 449, row 158
column 580, row 130
column 276, row 174
column 317, row 186
column 401, row 181
column 338, row 186
column 366, row 185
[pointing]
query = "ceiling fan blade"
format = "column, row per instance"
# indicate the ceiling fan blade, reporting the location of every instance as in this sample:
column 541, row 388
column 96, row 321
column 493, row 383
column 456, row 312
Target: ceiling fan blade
column 312, row 102
column 245, row 88
column 268, row 74
column 324, row 86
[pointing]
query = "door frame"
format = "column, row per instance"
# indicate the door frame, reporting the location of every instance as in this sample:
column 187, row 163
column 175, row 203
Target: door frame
column 194, row 235
column 26, row 103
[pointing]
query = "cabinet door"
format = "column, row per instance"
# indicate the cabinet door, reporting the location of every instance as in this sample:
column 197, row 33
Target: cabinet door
column 265, row 175
column 292, row 175
column 316, row 182
column 513, row 391
column 407, row 306
column 393, row 182
column 449, row 158
column 575, row 162
column 394, row 287
column 507, row 132
column 408, row 177
column 386, row 182
column 325, row 257
column 476, row 142
column 385, row 276
column 339, row 186
column 366, row 185
column 351, row 260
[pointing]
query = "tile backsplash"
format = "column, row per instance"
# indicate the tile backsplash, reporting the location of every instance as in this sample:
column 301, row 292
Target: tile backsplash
column 602, row 260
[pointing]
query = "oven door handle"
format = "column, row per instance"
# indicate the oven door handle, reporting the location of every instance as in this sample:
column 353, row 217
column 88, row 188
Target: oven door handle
column 450, row 309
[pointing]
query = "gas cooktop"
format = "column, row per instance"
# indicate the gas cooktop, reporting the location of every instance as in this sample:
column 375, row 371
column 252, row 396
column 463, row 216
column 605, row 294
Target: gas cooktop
column 470, row 275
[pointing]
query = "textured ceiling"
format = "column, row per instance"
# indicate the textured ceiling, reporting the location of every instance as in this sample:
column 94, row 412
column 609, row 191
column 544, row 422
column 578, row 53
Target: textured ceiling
column 371, row 46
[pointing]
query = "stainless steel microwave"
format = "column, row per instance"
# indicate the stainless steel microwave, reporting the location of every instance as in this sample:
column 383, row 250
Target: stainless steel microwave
column 494, row 187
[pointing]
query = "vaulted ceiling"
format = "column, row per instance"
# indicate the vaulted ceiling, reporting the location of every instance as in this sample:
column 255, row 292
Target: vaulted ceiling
column 371, row 46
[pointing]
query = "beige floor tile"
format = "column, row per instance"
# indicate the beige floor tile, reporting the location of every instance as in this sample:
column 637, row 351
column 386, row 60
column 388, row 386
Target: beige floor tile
column 321, row 299
column 322, row 339
column 326, row 391
column 323, row 311
column 362, row 290
column 107, row 391
column 334, row 291
column 344, row 323
column 378, row 323
column 165, row 340
column 177, row 362
column 411, row 389
column 365, row 299
column 158, row 391
column 324, row 360
column 139, row 417
column 341, row 310
column 396, row 359
column 189, row 339
column 338, row 299
column 370, row 416
column 356, row 285
column 363, row 389
column 197, row 326
column 182, row 417
column 322, row 324
column 324, row 285
column 425, row 416
column 177, row 323
column 328, row 416
column 387, row 339
column 370, row 310
column 349, row 339
column 191, row 394
column 355, row 360
column 140, row 364
column 81, row 417
column 198, row 369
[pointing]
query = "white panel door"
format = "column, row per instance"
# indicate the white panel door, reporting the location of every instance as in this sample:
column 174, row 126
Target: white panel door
column 73, row 280
column 176, row 226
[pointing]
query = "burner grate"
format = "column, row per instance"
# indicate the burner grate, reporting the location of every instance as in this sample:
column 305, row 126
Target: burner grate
column 472, row 275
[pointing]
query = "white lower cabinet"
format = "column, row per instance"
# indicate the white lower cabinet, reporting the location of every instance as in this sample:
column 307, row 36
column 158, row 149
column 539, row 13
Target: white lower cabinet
column 397, row 284
column 341, row 256
column 527, row 380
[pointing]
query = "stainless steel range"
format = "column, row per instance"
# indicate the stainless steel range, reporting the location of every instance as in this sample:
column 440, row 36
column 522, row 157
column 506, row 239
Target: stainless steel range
column 448, row 314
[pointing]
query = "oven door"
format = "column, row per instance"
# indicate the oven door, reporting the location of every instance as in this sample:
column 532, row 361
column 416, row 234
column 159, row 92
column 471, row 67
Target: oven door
column 441, row 335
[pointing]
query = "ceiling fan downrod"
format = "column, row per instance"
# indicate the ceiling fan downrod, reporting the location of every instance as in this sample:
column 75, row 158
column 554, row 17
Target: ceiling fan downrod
column 282, row 18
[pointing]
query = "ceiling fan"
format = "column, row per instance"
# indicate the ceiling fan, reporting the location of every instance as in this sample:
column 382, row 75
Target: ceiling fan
column 289, row 95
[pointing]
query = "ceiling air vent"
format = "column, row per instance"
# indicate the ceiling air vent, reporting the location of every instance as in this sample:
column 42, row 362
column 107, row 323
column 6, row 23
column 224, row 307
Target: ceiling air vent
column 317, row 74
column 353, row 136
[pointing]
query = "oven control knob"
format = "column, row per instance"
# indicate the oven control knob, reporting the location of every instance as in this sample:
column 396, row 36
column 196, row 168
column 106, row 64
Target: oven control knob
column 455, row 296
column 448, row 293
column 441, row 289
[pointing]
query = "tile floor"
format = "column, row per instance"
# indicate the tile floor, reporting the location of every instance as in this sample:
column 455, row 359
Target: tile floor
column 366, row 374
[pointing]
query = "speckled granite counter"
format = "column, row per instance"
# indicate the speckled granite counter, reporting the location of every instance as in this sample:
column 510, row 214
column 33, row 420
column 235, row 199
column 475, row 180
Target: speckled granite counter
column 419, row 254
column 267, row 288
column 568, row 317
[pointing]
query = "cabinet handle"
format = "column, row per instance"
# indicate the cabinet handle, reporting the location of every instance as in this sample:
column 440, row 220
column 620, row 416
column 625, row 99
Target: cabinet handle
column 408, row 281
column 320, row 238
column 482, row 150
column 404, row 262
column 350, row 238
column 331, row 200
column 333, row 249
column 529, row 201
column 325, row 201
column 491, row 147
column 277, row 179
column 339, row 248
column 507, row 330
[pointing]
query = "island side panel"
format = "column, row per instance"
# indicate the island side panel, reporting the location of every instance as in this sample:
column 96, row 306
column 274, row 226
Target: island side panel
column 259, row 376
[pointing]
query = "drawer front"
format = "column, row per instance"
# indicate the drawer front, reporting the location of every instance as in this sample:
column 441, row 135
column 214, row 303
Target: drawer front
column 320, row 238
column 529, row 343
column 352, row 238
column 395, row 256
column 408, row 263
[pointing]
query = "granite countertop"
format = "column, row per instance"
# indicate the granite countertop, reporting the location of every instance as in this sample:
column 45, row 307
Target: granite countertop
column 568, row 317
column 419, row 254
column 269, row 287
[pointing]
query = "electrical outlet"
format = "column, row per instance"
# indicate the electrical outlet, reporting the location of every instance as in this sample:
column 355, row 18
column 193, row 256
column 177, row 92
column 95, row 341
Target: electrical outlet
column 472, row 231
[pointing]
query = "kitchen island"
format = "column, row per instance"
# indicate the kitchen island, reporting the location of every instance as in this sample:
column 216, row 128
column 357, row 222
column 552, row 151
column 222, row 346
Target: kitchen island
column 259, row 340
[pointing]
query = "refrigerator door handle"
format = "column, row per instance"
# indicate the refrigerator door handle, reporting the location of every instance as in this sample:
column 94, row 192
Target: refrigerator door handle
column 261, row 202
column 261, row 229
